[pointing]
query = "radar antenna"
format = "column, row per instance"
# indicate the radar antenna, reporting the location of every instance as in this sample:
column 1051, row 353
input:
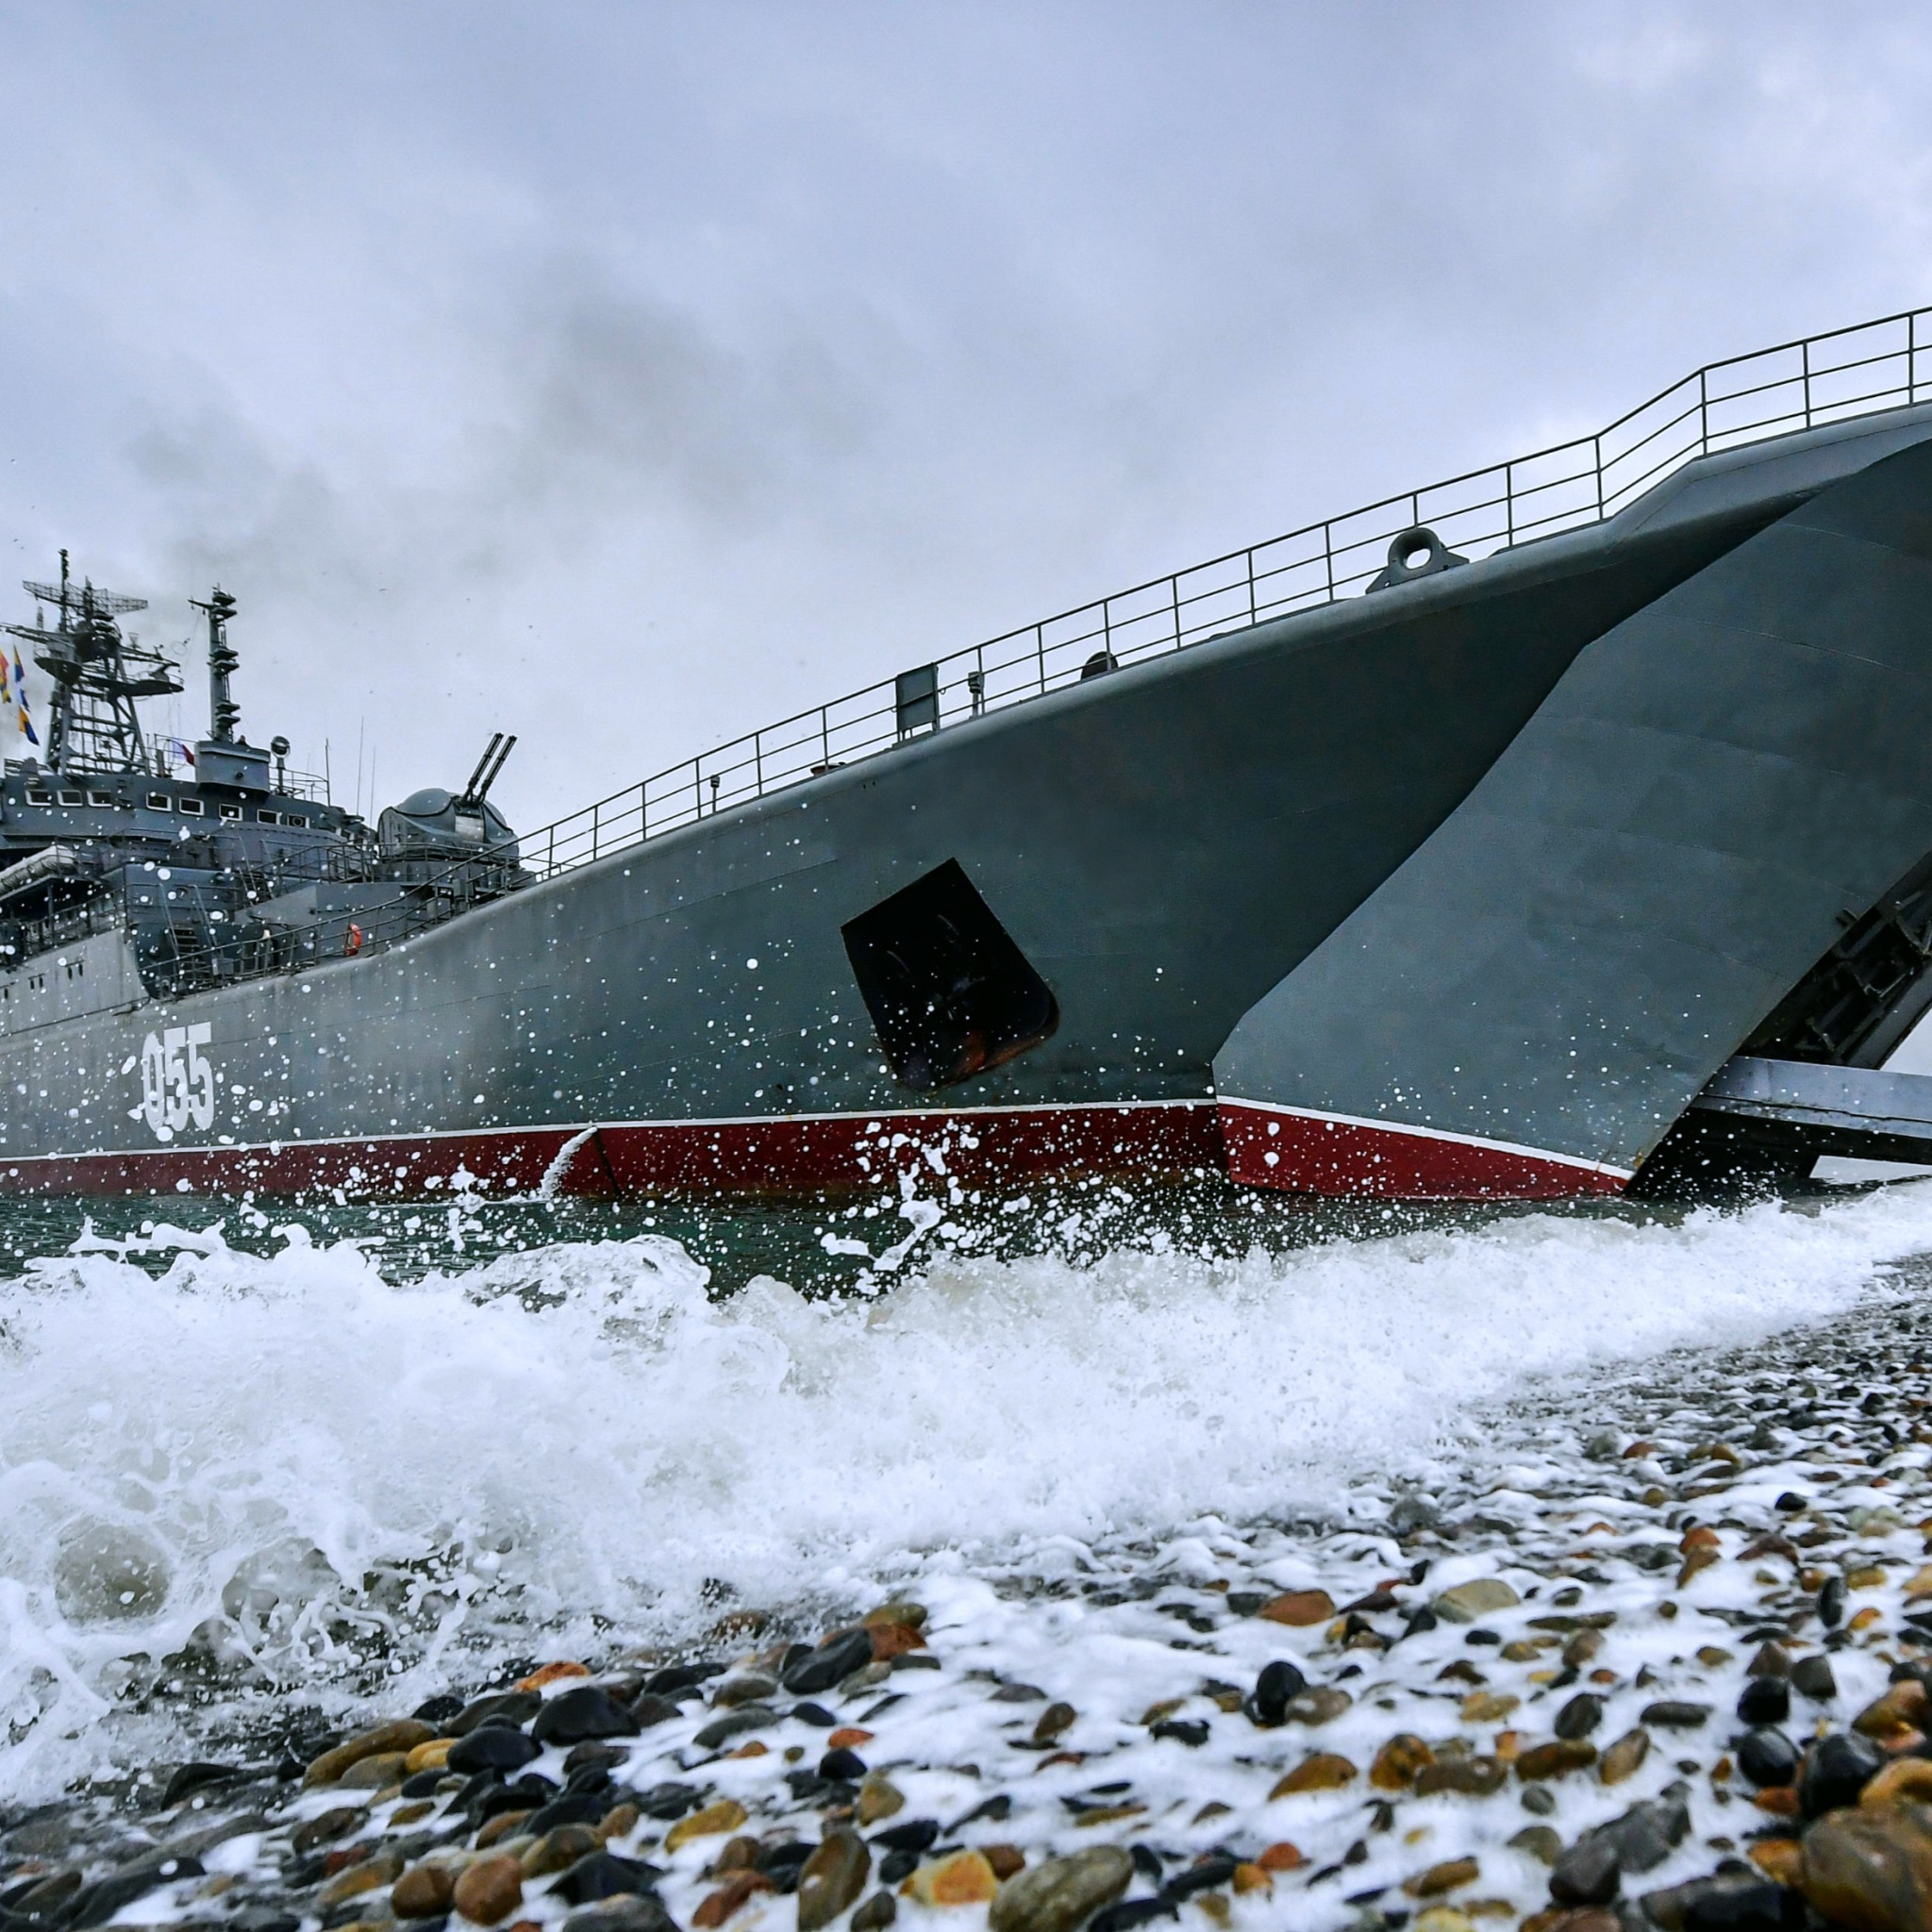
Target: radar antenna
column 224, row 713
column 97, row 674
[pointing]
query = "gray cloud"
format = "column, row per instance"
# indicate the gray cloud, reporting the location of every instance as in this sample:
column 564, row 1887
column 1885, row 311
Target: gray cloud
column 624, row 376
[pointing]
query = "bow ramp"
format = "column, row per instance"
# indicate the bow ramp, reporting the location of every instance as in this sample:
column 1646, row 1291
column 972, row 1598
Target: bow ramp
column 1663, row 868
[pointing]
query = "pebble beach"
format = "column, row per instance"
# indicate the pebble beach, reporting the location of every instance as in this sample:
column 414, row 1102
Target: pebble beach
column 1647, row 1653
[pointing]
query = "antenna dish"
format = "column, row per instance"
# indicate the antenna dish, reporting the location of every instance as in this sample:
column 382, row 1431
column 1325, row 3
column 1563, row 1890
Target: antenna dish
column 84, row 597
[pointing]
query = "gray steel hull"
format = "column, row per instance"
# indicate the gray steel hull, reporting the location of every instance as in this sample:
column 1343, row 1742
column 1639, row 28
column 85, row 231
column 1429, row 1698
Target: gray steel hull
column 1167, row 846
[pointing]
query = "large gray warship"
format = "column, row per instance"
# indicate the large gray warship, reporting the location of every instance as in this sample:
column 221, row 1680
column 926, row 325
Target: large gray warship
column 1559, row 829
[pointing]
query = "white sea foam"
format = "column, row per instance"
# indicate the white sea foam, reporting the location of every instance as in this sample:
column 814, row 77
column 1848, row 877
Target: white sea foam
column 334, row 1475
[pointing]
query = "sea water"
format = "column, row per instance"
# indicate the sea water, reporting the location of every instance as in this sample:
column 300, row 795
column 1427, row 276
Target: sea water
column 253, row 1453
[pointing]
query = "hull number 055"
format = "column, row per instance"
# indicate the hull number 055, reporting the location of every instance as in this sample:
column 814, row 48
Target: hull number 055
column 178, row 1082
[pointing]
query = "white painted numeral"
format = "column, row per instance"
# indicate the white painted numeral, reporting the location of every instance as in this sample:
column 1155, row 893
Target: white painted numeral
column 177, row 1080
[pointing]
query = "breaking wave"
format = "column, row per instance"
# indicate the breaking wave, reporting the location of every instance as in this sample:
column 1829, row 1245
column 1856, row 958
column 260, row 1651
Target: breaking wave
column 289, row 1472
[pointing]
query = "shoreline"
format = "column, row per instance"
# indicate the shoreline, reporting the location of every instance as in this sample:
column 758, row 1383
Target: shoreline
column 1489, row 1676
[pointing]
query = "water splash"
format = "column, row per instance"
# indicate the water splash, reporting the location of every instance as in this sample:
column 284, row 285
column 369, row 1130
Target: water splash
column 288, row 1471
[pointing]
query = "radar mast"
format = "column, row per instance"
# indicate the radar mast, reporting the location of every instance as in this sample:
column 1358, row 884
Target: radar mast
column 97, row 674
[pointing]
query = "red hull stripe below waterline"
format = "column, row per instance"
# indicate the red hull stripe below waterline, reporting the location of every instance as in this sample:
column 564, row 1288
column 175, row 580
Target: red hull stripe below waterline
column 1302, row 1152
column 974, row 1147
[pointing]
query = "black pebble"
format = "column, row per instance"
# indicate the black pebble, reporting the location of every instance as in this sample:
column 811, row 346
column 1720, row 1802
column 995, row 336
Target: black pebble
column 915, row 1835
column 648, row 1708
column 667, row 1802
column 795, row 1852
column 814, row 1714
column 1588, row 1874
column 491, row 1747
column 194, row 1778
column 675, row 1677
column 573, row 1808
column 529, row 1793
column 1146, row 1861
column 895, row 1866
column 1755, row 1907
column 1791, row 1503
column 1126, row 1913
column 842, row 1763
column 1577, row 1719
column 424, row 1784
column 1831, row 1602
column 1481, row 1637
column 583, row 1713
column 834, row 1660
column 1129, row 1912
column 1839, row 1769
column 1216, row 1869
column 94, row 1904
column 1267, row 1704
column 1193, row 1734
column 1811, row 1678
column 501, row 1706
column 433, row 1710
column 1765, row 1701
column 1767, row 1757
column 1670, row 1714
column 603, row 1875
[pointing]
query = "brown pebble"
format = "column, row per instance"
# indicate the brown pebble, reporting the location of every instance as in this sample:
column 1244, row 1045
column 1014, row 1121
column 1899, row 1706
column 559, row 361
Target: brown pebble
column 1299, row 1608
column 1318, row 1705
column 1557, row 1758
column 1902, row 1778
column 505, row 1824
column 1323, row 1770
column 319, row 1830
column 368, row 1876
column 404, row 1735
column 719, row 1906
column 1469, row 1777
column 1007, row 1860
column 1871, row 1869
column 1624, row 1758
column 372, row 1773
column 832, row 1878
column 558, row 1850
column 619, row 1822
column 489, row 1890
column 1901, row 1708
column 1398, row 1761
column 1055, row 1718
column 424, row 1892
column 1583, row 1648
column 1447, row 1876
column 1779, row 1858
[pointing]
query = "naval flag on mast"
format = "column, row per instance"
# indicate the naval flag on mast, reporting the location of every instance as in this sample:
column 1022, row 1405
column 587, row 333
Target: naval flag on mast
column 17, row 696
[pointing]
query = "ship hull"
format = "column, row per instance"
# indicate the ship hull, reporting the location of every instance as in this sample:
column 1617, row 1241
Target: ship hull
column 1162, row 847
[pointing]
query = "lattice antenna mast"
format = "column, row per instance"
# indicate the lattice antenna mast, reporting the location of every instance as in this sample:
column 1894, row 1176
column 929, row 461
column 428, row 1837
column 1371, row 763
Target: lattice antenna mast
column 97, row 673
column 224, row 713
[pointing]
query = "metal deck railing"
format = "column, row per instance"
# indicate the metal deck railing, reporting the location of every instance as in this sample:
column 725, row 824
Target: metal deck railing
column 1862, row 369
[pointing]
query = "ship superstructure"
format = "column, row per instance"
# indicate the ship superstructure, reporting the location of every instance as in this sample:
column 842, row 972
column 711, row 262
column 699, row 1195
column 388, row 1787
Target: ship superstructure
column 1562, row 827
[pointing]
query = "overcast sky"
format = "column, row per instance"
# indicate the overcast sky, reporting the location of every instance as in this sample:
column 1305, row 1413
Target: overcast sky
column 627, row 375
